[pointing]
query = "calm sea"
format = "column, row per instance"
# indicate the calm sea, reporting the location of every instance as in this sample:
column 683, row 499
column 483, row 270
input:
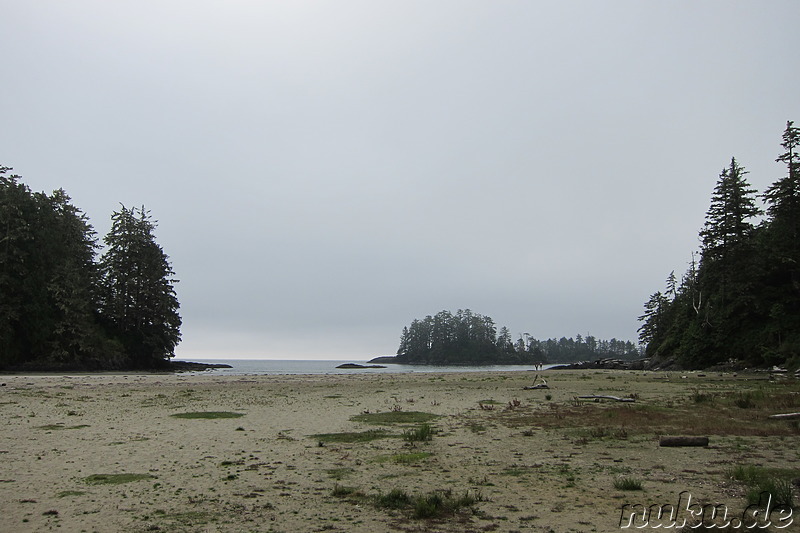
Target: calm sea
column 274, row 366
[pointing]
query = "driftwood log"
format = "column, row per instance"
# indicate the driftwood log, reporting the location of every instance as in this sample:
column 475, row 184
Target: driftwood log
column 786, row 416
column 542, row 385
column 605, row 397
column 683, row 441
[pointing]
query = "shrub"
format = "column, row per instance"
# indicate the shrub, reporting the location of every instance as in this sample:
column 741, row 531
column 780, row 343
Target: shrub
column 627, row 483
column 422, row 433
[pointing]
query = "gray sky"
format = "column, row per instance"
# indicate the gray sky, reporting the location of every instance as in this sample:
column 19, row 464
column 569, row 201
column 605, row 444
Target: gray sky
column 325, row 172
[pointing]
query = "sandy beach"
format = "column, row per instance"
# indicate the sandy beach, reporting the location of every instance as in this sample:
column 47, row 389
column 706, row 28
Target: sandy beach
column 107, row 453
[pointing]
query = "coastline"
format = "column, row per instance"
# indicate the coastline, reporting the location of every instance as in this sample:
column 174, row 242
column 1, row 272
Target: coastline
column 534, row 463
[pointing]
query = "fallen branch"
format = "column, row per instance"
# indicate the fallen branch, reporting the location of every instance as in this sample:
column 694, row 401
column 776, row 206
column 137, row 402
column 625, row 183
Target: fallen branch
column 605, row 397
column 542, row 385
column 786, row 416
column 683, row 441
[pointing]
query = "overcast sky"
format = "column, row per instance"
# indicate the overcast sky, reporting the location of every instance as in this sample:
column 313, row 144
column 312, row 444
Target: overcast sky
column 325, row 172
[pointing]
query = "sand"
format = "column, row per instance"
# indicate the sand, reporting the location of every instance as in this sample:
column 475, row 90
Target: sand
column 527, row 455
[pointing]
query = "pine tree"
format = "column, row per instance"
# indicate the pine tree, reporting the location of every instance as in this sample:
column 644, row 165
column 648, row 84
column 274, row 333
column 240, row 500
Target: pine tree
column 782, row 242
column 728, row 220
column 68, row 247
column 138, row 301
column 17, row 209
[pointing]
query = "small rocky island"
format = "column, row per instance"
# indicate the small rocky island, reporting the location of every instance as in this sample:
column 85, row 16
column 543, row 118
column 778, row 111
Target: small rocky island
column 357, row 366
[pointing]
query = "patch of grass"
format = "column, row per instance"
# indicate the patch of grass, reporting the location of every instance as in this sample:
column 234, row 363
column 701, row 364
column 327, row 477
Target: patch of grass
column 744, row 400
column 763, row 481
column 339, row 473
column 780, row 491
column 208, row 415
column 403, row 458
column 720, row 417
column 340, row 491
column 394, row 417
column 702, row 397
column 476, row 428
column 115, row 479
column 52, row 427
column 516, row 471
column 627, row 483
column 65, row 493
column 394, row 499
column 436, row 504
column 421, row 433
column 179, row 521
column 352, row 436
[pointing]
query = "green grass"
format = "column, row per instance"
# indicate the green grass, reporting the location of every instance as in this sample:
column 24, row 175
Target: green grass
column 115, row 479
column 627, row 483
column 352, row 436
column 394, row 417
column 759, row 480
column 437, row 504
column 403, row 458
column 422, row 433
column 209, row 415
column 394, row 499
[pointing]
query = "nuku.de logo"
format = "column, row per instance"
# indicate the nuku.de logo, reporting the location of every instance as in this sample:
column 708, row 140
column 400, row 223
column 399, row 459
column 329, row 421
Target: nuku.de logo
column 694, row 515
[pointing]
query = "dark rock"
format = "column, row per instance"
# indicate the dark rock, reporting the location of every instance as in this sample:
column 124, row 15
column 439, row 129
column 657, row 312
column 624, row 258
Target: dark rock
column 356, row 365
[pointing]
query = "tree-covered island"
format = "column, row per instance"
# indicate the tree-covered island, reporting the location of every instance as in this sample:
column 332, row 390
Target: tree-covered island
column 64, row 308
column 467, row 338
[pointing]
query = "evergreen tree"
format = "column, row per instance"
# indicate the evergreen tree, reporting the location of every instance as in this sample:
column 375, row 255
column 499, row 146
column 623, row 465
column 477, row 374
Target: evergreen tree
column 138, row 302
column 782, row 239
column 728, row 220
column 742, row 300
column 69, row 247
column 17, row 210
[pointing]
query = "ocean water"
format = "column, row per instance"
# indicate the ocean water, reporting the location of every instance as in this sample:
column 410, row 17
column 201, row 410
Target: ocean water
column 274, row 366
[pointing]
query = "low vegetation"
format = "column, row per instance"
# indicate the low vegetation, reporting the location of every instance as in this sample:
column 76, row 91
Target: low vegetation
column 208, row 415
column 628, row 483
column 434, row 504
column 352, row 436
column 394, row 417
column 762, row 482
column 115, row 479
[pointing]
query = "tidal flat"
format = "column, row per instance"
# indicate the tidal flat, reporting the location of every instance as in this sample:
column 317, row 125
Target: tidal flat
column 460, row 452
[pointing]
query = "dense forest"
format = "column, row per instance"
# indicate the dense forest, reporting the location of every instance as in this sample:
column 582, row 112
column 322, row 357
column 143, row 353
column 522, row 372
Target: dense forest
column 62, row 307
column 470, row 338
column 740, row 297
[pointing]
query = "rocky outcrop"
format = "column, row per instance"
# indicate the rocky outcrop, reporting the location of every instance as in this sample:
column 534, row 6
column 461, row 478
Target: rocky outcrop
column 608, row 364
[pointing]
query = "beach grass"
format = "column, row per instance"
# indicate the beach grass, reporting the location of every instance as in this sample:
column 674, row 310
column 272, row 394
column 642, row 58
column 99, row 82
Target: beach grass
column 208, row 415
column 115, row 479
column 394, row 417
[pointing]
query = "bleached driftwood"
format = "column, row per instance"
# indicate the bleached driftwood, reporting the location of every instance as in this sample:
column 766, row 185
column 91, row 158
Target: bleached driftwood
column 786, row 416
column 542, row 385
column 683, row 441
column 605, row 397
